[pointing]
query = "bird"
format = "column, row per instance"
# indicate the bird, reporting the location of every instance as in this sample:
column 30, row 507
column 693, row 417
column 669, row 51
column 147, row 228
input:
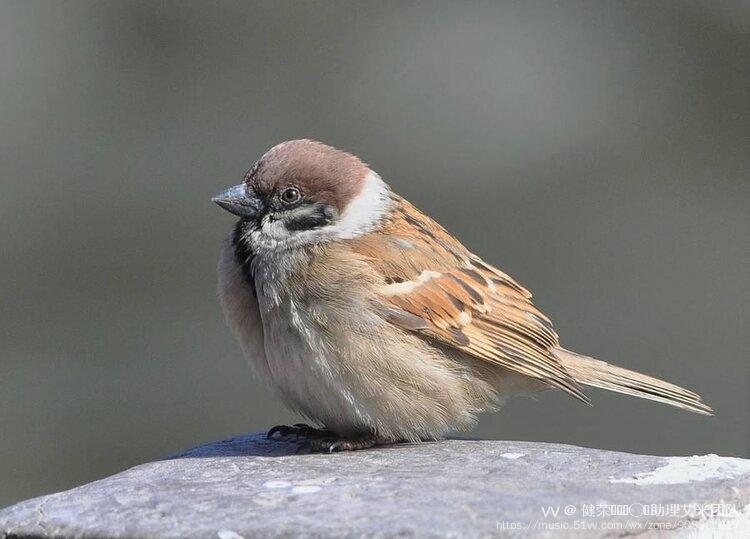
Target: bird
column 372, row 321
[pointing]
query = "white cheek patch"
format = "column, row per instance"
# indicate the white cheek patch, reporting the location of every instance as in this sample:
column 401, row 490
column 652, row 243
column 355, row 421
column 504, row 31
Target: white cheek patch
column 365, row 210
column 274, row 229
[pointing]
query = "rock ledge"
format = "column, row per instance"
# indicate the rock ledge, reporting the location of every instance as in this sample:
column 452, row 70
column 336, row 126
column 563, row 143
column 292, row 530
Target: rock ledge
column 250, row 487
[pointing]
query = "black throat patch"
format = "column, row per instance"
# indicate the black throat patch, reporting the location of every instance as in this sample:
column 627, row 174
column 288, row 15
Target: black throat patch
column 243, row 252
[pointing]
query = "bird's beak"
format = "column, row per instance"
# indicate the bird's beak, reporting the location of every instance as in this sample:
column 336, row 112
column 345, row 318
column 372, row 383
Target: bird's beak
column 237, row 201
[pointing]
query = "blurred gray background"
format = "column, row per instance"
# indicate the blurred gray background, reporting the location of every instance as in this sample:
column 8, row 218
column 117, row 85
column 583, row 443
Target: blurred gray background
column 598, row 151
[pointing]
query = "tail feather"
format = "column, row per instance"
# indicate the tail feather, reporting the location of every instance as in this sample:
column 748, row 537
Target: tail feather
column 596, row 373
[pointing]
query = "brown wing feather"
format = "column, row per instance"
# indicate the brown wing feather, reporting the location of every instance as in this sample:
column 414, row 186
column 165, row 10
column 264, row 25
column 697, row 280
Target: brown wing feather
column 434, row 286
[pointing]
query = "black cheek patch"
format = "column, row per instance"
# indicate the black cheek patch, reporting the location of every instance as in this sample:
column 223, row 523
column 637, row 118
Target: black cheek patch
column 309, row 216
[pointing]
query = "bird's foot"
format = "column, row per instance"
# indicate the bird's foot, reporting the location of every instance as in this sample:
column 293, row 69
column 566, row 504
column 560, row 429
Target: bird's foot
column 299, row 430
column 334, row 444
column 314, row 440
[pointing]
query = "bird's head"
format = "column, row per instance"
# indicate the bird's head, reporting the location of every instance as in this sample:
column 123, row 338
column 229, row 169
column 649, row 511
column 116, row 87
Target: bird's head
column 303, row 191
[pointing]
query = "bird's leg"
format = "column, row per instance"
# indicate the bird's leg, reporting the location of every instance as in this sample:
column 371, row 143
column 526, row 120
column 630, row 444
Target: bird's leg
column 299, row 430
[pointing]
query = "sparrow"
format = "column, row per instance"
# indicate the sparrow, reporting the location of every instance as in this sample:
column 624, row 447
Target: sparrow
column 372, row 321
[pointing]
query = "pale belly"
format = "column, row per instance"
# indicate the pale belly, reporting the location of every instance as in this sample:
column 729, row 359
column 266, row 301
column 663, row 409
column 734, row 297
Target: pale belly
column 308, row 373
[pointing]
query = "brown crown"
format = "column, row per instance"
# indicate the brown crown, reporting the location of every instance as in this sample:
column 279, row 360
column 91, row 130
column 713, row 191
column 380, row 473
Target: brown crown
column 321, row 172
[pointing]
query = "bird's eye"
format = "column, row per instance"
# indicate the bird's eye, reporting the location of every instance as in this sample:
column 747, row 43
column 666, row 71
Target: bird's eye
column 290, row 195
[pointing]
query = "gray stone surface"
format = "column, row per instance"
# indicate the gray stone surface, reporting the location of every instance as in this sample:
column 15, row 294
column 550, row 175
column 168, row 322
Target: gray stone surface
column 250, row 487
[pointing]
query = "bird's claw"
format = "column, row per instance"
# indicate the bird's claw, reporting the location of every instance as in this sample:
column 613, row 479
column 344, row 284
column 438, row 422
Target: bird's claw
column 337, row 444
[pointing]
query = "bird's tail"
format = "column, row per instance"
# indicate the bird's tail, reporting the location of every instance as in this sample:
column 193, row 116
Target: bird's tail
column 596, row 373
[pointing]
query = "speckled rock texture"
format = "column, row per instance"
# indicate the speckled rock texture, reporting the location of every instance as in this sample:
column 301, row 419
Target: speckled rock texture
column 251, row 487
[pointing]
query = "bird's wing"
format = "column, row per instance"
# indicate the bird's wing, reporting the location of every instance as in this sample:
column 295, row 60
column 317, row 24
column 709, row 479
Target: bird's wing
column 434, row 286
